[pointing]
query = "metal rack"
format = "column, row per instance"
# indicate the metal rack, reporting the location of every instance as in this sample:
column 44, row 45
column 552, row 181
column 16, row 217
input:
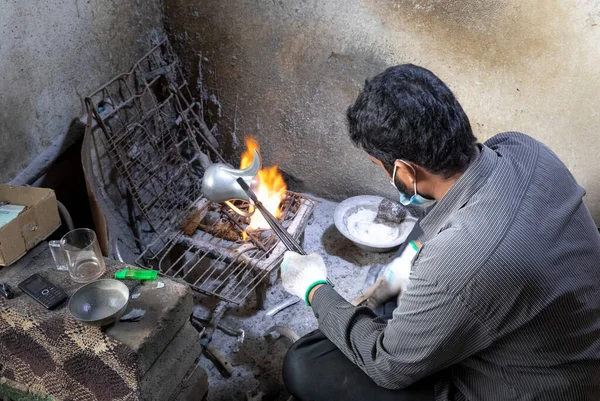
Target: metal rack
column 153, row 131
column 153, row 134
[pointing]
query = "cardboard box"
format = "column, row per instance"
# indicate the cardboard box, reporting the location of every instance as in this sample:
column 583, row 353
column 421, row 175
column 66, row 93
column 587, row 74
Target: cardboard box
column 34, row 224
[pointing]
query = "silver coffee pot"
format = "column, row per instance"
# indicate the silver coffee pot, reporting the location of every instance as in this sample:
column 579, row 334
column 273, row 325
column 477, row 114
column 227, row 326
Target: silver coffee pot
column 219, row 183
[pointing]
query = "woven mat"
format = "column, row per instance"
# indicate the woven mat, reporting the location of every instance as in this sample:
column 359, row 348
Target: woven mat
column 52, row 353
column 56, row 355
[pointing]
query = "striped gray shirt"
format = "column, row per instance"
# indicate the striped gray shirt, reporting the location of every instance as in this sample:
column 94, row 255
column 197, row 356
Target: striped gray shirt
column 504, row 296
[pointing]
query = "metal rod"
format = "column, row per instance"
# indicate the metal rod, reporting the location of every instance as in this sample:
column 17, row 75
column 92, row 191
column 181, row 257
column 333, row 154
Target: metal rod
column 282, row 305
column 285, row 237
column 281, row 232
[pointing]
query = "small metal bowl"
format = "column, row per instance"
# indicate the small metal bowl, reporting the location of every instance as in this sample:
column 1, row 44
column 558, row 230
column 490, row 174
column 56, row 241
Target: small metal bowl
column 352, row 205
column 100, row 302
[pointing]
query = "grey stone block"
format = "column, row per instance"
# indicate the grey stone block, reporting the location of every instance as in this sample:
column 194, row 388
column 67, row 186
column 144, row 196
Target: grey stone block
column 167, row 310
column 194, row 387
column 171, row 367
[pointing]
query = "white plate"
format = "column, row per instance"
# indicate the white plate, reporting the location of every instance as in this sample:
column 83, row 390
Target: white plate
column 352, row 205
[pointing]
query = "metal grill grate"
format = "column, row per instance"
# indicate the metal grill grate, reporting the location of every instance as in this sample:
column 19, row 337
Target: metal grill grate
column 230, row 270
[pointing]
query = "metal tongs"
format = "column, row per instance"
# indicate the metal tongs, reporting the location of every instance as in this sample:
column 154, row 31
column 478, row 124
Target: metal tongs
column 285, row 237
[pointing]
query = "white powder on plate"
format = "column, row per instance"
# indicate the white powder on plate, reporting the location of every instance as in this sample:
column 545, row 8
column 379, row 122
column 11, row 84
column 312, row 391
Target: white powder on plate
column 361, row 225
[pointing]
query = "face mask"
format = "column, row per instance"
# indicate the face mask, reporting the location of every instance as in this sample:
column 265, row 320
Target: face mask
column 416, row 199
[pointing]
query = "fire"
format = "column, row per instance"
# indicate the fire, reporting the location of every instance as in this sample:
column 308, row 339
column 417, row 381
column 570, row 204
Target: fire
column 269, row 187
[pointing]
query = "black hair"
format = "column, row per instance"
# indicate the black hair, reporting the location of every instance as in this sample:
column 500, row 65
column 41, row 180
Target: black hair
column 408, row 113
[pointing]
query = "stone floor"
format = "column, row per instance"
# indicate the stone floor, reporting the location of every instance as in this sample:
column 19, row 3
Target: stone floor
column 257, row 364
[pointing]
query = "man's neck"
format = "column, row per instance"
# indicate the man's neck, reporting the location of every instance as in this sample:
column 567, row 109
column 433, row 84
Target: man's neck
column 441, row 186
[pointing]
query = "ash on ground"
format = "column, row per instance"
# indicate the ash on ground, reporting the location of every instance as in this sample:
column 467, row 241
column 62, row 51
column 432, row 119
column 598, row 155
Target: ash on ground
column 257, row 363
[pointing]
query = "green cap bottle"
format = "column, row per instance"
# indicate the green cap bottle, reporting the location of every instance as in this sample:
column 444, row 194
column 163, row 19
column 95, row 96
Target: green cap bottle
column 130, row 274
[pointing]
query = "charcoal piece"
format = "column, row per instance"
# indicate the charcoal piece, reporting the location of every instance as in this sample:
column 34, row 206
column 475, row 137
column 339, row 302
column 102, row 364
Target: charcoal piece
column 190, row 222
column 390, row 212
column 222, row 230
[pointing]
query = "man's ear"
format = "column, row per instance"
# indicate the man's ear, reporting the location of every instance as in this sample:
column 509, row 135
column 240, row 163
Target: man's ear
column 405, row 173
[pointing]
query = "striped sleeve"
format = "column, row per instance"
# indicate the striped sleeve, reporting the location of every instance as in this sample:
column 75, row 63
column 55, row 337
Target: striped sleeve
column 430, row 330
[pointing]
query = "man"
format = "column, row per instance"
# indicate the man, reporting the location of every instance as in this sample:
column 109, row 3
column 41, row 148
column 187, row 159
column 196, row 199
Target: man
column 503, row 301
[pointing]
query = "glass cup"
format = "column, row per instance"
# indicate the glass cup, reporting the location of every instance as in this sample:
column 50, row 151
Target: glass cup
column 79, row 253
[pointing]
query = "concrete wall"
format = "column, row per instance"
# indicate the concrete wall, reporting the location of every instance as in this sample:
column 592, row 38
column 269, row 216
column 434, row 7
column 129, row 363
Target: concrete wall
column 54, row 53
column 293, row 67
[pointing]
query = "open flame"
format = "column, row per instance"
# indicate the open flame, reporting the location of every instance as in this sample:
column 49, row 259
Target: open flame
column 269, row 187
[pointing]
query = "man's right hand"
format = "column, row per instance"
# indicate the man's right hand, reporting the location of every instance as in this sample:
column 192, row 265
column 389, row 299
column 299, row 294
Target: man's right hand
column 301, row 274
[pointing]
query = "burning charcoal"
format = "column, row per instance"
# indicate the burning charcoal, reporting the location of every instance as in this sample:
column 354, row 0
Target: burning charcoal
column 266, row 234
column 390, row 212
column 222, row 230
column 216, row 224
column 190, row 223
column 212, row 217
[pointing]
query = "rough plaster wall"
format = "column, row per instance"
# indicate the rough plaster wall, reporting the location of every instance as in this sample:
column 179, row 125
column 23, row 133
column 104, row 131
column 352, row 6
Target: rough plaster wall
column 293, row 67
column 52, row 54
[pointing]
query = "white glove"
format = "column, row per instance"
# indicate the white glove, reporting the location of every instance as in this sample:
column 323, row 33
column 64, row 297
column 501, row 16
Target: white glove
column 397, row 273
column 300, row 273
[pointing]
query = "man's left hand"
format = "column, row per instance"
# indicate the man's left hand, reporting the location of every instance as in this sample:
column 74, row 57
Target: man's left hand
column 301, row 273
